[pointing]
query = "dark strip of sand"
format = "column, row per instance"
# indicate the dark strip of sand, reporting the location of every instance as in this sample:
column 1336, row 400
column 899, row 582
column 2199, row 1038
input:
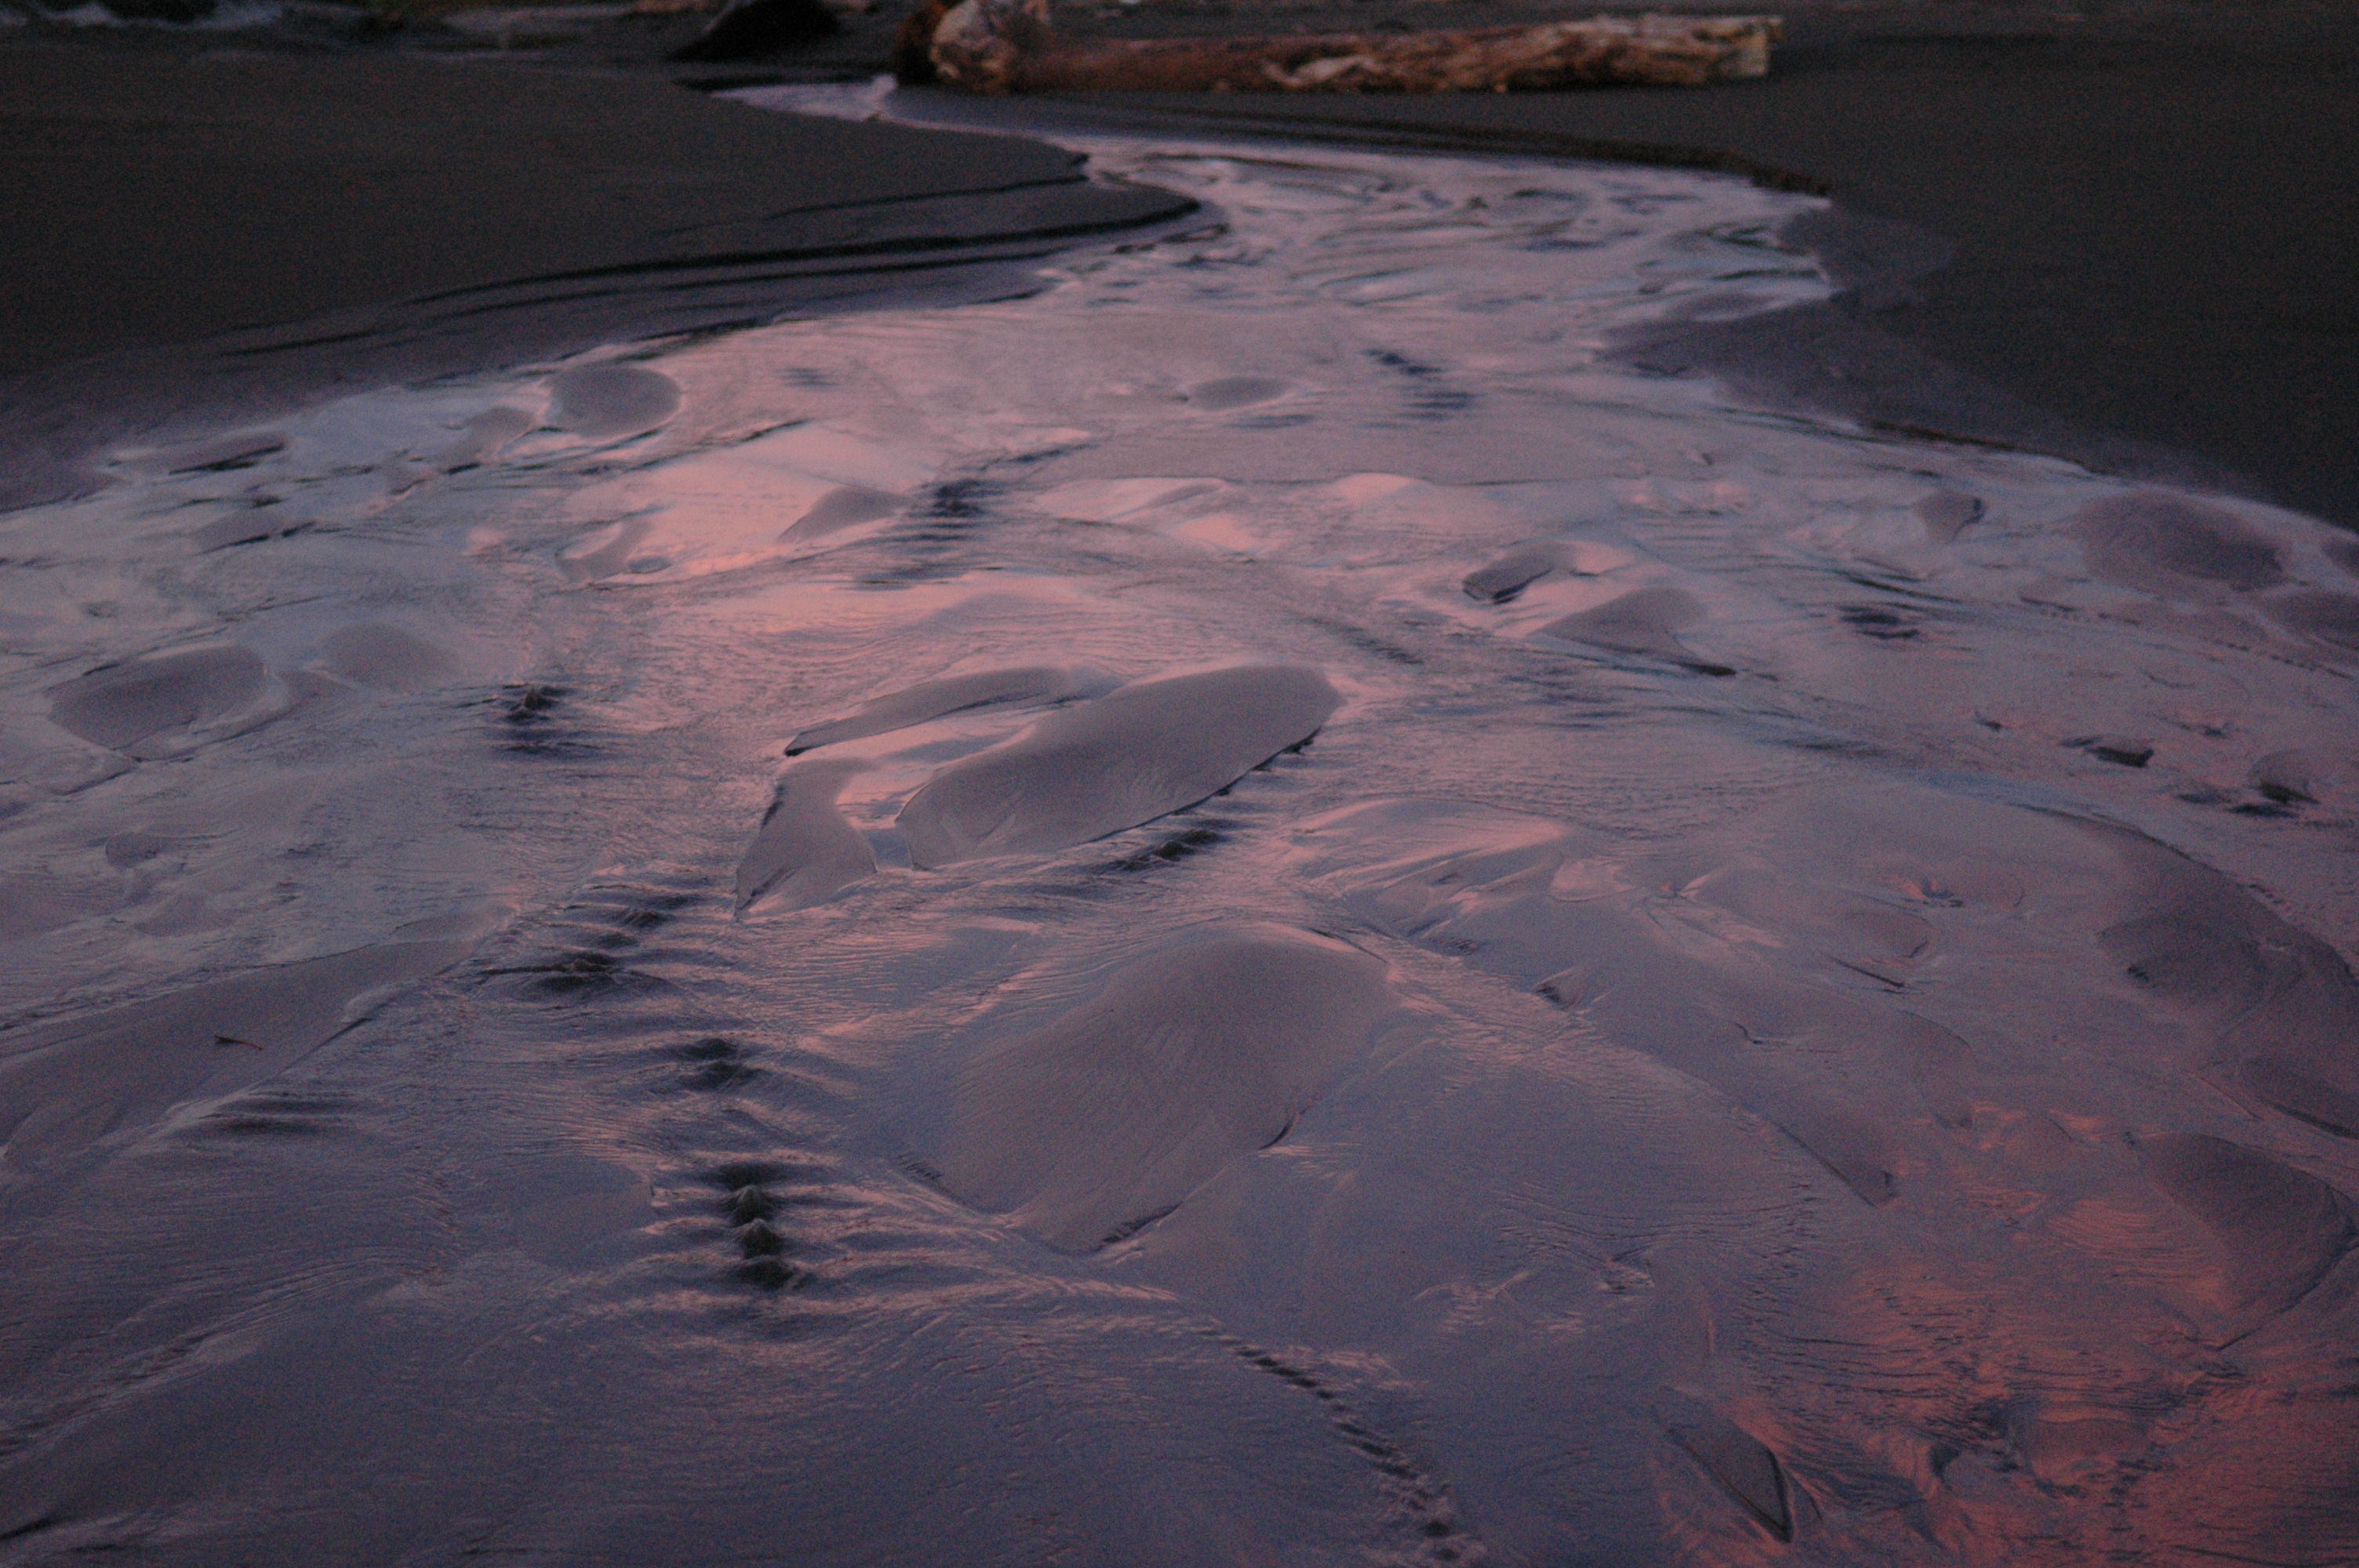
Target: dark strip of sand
column 197, row 230
column 162, row 196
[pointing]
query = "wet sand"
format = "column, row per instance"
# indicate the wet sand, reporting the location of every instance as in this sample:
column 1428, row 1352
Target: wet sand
column 1254, row 907
column 1253, row 901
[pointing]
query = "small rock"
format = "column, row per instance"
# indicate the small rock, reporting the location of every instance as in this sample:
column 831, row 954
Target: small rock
column 2123, row 750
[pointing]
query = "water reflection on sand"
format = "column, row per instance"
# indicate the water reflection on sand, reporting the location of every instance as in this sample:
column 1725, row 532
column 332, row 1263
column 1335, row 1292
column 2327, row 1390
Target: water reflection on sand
column 1249, row 910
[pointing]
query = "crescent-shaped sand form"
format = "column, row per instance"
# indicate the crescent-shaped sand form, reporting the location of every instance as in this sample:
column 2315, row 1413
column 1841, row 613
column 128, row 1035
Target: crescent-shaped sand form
column 1189, row 1058
column 2282, row 1228
column 804, row 853
column 64, row 1087
column 2164, row 541
column 1225, row 393
column 481, row 438
column 1735, row 1458
column 127, row 704
column 1946, row 513
column 953, row 694
column 845, row 506
column 1146, row 749
column 1646, row 623
column 603, row 402
column 1510, row 574
column 2280, row 1007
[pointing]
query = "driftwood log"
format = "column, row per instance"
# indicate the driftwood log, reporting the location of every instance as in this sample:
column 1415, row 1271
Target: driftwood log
column 1009, row 46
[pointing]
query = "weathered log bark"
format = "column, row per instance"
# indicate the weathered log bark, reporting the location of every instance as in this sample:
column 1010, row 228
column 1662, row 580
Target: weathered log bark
column 913, row 44
column 1007, row 46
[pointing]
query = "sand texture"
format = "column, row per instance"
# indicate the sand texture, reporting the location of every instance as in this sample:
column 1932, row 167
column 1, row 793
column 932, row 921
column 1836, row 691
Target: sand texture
column 1257, row 902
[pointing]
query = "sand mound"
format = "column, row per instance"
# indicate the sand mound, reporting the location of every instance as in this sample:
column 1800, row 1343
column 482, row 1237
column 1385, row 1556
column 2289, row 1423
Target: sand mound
column 1146, row 749
column 934, row 699
column 1106, row 1120
column 128, row 704
column 804, row 853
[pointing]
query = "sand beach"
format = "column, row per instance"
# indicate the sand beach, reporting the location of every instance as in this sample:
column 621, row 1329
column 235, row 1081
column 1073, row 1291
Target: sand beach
column 747, row 817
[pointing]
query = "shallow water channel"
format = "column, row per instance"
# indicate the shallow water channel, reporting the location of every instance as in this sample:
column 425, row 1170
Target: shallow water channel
column 1246, row 910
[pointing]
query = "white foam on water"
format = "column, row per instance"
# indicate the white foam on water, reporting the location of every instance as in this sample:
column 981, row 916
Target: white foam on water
column 1844, row 1050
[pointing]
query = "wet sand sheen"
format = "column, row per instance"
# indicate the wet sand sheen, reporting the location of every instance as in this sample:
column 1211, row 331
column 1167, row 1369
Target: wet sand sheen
column 1793, row 1008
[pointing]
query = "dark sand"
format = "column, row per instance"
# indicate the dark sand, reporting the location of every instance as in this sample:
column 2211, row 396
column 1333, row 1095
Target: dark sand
column 208, row 226
column 2117, row 234
column 158, row 197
